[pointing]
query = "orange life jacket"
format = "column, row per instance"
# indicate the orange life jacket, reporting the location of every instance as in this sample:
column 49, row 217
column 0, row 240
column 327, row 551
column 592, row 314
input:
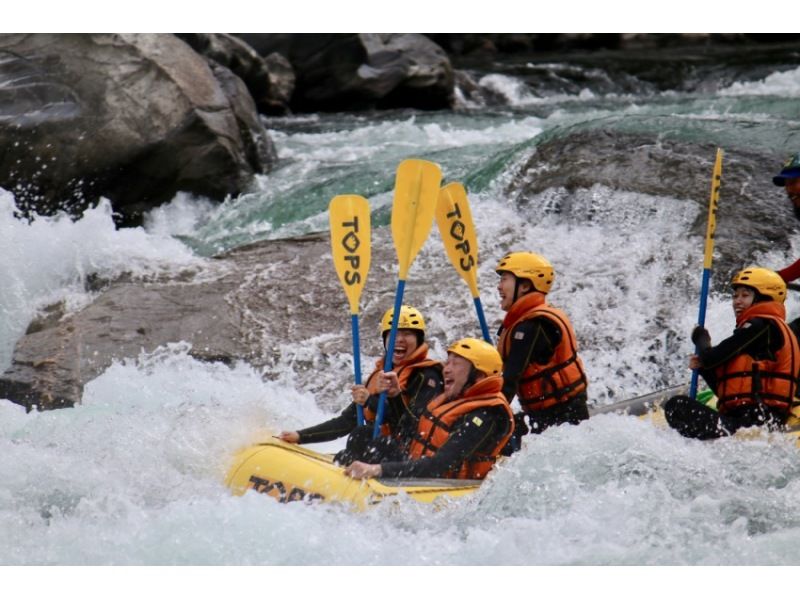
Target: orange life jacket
column 747, row 381
column 543, row 385
column 404, row 369
column 436, row 425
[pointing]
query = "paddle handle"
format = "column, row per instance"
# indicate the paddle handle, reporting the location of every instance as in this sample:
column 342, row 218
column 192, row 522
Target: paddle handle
column 387, row 362
column 482, row 319
column 701, row 321
column 357, row 364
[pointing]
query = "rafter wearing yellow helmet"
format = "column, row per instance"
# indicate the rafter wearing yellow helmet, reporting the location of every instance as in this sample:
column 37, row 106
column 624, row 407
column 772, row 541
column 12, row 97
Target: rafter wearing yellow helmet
column 461, row 432
column 413, row 381
column 753, row 372
column 537, row 343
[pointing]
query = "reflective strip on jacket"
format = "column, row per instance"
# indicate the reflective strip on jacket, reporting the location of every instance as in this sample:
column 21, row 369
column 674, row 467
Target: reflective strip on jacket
column 436, row 425
column 747, row 381
column 560, row 379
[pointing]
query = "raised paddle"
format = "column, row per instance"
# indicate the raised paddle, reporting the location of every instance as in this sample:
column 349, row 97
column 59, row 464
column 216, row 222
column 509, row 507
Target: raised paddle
column 350, row 246
column 454, row 219
column 416, row 190
column 711, row 228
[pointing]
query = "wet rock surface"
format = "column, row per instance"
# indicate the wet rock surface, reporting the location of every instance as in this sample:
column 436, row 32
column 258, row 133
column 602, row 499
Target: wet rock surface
column 132, row 117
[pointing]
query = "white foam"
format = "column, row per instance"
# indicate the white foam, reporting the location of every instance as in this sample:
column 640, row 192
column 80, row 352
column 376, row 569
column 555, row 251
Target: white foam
column 517, row 93
column 47, row 260
column 181, row 216
column 782, row 83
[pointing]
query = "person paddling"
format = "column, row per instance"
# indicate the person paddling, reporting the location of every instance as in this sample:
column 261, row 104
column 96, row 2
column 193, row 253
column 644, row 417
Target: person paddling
column 460, row 433
column 410, row 385
column 541, row 365
column 789, row 178
column 754, row 373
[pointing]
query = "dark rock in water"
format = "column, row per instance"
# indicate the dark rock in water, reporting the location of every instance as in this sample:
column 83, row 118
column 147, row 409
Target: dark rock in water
column 360, row 71
column 469, row 91
column 133, row 117
column 512, row 43
column 231, row 310
column 270, row 80
column 281, row 85
column 494, row 44
column 748, row 221
column 640, row 65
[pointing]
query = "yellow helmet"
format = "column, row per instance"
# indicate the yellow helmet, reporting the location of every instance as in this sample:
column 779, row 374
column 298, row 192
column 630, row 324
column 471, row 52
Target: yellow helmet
column 528, row 266
column 483, row 356
column 766, row 282
column 410, row 318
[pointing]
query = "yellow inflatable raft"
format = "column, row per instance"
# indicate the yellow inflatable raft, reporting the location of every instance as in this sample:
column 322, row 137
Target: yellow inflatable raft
column 290, row 473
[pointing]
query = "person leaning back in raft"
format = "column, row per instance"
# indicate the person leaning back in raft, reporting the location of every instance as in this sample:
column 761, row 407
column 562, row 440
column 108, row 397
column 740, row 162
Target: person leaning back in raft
column 753, row 373
column 541, row 365
column 461, row 432
column 410, row 385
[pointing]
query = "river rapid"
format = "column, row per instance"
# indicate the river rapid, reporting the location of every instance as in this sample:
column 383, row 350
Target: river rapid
column 133, row 475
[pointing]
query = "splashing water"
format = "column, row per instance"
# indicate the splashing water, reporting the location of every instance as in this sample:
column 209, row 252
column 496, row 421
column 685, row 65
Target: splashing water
column 134, row 474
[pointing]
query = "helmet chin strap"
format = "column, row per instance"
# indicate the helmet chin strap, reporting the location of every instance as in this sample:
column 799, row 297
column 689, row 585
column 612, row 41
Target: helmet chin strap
column 471, row 379
column 518, row 284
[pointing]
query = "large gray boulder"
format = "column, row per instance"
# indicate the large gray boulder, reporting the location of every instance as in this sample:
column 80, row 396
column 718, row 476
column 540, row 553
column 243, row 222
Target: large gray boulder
column 133, row 117
column 367, row 70
column 270, row 80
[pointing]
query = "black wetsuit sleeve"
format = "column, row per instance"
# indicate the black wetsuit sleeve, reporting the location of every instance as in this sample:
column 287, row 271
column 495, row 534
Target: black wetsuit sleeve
column 332, row 429
column 531, row 341
column 473, row 431
column 759, row 338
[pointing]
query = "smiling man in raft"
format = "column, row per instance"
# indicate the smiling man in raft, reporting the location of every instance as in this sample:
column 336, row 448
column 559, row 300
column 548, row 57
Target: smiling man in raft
column 461, row 432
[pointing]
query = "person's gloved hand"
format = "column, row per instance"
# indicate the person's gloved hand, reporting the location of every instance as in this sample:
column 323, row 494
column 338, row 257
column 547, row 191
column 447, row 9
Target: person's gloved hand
column 701, row 338
column 515, row 442
column 520, row 427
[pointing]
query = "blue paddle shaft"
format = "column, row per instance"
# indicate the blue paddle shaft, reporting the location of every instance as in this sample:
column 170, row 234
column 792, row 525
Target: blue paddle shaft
column 357, row 365
column 482, row 320
column 387, row 362
column 701, row 321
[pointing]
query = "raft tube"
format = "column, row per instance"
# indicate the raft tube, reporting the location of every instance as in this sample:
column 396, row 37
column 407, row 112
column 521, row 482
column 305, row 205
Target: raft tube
column 650, row 407
column 288, row 473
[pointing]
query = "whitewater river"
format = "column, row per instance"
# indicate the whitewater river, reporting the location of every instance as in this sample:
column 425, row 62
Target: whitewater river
column 133, row 475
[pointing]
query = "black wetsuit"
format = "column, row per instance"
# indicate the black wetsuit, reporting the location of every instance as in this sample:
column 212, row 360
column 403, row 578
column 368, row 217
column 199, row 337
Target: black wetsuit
column 466, row 438
column 535, row 340
column 423, row 385
column 760, row 338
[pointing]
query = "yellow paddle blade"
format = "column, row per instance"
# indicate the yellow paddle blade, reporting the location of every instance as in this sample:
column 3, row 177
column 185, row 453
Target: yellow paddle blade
column 350, row 243
column 416, row 190
column 711, row 227
column 454, row 219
